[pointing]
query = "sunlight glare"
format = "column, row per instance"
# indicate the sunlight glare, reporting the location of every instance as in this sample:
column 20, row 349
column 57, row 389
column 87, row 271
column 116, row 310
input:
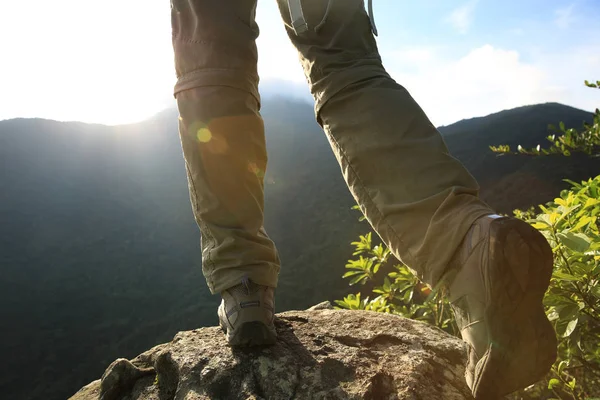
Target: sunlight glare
column 204, row 135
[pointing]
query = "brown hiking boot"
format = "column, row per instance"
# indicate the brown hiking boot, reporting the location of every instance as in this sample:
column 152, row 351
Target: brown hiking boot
column 502, row 270
column 246, row 314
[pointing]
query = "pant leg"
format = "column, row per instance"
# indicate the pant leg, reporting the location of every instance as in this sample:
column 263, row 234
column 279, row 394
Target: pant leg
column 222, row 136
column 419, row 199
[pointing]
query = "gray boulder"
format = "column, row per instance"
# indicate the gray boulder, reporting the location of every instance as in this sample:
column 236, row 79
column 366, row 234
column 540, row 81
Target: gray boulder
column 321, row 354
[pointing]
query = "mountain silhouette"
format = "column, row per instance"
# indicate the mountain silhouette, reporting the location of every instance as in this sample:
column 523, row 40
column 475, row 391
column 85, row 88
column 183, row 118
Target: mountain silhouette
column 100, row 253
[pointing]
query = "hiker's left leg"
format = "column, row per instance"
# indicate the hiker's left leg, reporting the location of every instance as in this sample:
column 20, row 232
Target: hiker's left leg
column 223, row 141
column 222, row 136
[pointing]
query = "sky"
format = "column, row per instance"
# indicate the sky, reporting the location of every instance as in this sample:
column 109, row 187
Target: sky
column 111, row 62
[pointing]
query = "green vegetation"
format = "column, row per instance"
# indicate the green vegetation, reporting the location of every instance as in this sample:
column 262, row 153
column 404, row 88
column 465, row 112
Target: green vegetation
column 401, row 292
column 571, row 225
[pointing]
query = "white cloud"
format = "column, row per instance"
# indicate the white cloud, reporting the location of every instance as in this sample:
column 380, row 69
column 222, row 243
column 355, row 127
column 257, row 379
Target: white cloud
column 489, row 79
column 462, row 17
column 564, row 17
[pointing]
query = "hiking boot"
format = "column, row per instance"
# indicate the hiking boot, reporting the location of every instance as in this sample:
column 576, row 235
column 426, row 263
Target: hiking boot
column 246, row 314
column 502, row 270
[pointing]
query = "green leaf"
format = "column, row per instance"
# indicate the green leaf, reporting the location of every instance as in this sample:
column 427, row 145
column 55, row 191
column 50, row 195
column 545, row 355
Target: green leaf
column 553, row 315
column 561, row 366
column 591, row 202
column 541, row 225
column 582, row 222
column 351, row 273
column 564, row 276
column 376, row 267
column 386, row 284
column 545, row 218
column 568, row 312
column 356, row 279
column 567, row 211
column 553, row 383
column 577, row 242
column 571, row 327
column 408, row 295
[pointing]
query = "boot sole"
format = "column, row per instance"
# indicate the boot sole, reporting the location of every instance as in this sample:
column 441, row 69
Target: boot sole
column 250, row 334
column 523, row 343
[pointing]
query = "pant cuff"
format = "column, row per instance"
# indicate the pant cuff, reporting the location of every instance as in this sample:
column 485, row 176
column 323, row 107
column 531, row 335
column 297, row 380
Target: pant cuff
column 219, row 77
column 265, row 275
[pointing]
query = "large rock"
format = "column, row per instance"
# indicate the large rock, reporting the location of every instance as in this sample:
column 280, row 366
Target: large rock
column 321, row 354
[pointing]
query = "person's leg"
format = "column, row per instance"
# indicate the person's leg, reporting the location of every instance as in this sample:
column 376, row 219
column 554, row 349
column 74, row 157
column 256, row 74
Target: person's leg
column 222, row 137
column 418, row 198
column 422, row 202
column 223, row 141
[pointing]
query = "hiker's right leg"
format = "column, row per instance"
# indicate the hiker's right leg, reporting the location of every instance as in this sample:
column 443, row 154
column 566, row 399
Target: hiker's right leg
column 222, row 137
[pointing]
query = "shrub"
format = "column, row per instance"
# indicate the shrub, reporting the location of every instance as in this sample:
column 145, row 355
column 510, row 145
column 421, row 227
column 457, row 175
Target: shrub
column 400, row 291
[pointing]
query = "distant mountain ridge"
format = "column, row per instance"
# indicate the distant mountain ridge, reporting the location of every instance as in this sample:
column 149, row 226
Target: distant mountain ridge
column 550, row 108
column 100, row 253
column 516, row 181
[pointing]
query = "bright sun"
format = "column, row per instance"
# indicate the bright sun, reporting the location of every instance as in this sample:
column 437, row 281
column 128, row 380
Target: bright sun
column 89, row 62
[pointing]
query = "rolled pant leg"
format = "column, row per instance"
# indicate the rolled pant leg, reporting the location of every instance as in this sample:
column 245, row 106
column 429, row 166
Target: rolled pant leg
column 419, row 199
column 222, row 137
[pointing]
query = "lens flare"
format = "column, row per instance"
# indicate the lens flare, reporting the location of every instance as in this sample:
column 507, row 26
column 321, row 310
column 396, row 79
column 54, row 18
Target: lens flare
column 203, row 135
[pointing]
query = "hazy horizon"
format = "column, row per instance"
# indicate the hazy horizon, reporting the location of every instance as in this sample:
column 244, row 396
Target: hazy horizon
column 266, row 97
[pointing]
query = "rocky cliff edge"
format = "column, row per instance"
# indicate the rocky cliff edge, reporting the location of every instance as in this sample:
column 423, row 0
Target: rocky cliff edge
column 321, row 354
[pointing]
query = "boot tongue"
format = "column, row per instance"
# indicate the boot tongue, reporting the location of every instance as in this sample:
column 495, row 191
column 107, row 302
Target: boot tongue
column 248, row 287
column 246, row 284
column 476, row 335
column 467, row 292
column 458, row 260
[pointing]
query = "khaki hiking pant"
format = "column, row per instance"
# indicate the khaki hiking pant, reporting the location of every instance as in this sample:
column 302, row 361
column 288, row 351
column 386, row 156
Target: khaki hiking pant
column 419, row 199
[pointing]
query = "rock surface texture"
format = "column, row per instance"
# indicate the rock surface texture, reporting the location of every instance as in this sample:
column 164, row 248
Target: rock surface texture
column 321, row 354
